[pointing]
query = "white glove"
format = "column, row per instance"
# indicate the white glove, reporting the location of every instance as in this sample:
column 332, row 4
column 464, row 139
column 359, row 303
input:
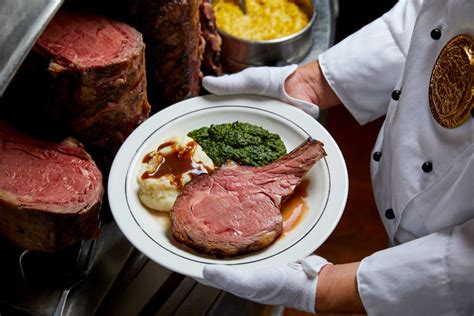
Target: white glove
column 292, row 285
column 266, row 81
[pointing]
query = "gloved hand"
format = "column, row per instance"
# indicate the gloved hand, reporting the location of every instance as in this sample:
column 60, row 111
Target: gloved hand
column 292, row 285
column 266, row 81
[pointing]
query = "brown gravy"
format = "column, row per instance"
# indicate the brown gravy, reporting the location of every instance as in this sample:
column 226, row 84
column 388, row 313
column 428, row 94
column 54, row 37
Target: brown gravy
column 295, row 208
column 176, row 163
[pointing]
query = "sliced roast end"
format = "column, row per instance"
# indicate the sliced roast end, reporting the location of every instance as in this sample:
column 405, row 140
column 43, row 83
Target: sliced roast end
column 50, row 194
column 87, row 40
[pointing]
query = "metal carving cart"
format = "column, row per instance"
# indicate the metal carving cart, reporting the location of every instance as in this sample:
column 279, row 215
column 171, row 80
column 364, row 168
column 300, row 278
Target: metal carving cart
column 107, row 276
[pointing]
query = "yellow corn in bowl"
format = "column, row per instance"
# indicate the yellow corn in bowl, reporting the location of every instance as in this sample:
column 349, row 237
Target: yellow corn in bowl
column 273, row 32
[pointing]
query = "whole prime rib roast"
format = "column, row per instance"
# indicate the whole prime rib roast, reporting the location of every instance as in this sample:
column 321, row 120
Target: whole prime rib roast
column 236, row 209
column 97, row 88
column 50, row 194
column 182, row 45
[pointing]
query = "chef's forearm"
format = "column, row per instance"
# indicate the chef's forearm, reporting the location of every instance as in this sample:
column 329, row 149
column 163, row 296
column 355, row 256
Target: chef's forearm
column 337, row 290
column 308, row 83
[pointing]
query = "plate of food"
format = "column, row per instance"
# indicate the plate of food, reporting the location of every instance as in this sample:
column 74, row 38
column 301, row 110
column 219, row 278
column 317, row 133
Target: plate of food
column 239, row 180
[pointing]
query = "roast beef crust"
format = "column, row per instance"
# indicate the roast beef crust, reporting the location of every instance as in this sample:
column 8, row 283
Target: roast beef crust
column 261, row 241
column 52, row 223
column 171, row 31
column 211, row 64
column 109, row 101
column 39, row 230
column 92, row 88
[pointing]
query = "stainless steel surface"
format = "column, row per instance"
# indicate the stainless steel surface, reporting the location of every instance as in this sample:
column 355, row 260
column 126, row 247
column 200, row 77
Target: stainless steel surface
column 111, row 254
column 40, row 291
column 22, row 23
column 156, row 291
column 302, row 46
column 78, row 274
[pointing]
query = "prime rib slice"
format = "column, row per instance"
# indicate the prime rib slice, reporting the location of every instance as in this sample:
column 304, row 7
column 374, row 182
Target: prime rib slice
column 98, row 79
column 50, row 194
column 236, row 209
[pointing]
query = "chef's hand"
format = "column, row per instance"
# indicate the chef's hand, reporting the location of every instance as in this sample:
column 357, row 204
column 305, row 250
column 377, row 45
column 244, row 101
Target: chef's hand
column 292, row 285
column 266, row 81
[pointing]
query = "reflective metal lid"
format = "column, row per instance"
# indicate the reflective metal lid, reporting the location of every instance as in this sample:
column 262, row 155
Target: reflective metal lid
column 22, row 21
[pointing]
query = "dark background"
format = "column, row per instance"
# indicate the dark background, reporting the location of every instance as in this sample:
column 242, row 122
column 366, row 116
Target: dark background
column 355, row 14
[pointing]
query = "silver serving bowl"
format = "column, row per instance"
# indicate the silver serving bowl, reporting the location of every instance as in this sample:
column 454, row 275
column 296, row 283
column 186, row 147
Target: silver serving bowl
column 238, row 53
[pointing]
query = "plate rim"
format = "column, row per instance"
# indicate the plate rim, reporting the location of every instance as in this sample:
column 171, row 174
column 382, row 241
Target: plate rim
column 224, row 106
column 126, row 156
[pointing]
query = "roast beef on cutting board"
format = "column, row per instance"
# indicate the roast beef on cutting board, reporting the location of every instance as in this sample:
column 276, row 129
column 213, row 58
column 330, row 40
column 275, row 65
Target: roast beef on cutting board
column 50, row 194
column 98, row 79
column 236, row 209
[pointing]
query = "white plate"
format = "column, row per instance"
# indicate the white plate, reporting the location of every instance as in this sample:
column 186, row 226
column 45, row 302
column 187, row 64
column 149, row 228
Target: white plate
column 150, row 232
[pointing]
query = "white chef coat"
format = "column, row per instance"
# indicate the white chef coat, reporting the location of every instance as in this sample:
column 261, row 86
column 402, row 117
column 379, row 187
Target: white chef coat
column 428, row 215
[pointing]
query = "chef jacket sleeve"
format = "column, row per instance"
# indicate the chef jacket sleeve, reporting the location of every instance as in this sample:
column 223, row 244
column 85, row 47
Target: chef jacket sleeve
column 432, row 275
column 364, row 68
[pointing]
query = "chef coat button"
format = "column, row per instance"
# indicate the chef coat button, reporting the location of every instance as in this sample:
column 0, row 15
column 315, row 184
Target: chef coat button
column 389, row 214
column 427, row 166
column 377, row 155
column 435, row 34
column 396, row 95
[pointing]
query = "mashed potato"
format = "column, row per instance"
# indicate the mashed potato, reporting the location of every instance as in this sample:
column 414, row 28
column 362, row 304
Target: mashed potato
column 265, row 19
column 166, row 170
